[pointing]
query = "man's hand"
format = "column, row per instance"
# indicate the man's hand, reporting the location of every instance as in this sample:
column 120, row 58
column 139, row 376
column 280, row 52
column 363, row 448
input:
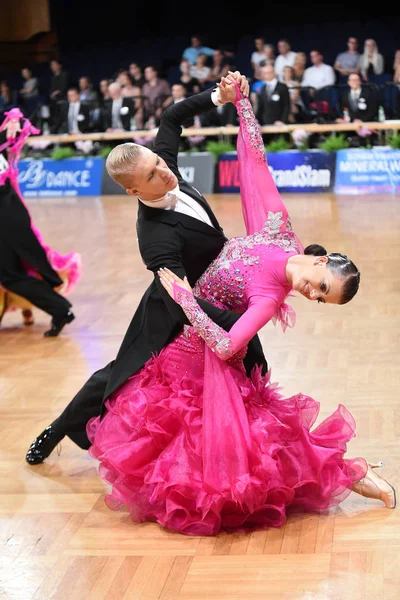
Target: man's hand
column 241, row 80
column 227, row 91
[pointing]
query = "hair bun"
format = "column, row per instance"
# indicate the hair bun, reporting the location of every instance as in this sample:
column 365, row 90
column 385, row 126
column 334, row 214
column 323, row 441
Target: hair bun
column 315, row 250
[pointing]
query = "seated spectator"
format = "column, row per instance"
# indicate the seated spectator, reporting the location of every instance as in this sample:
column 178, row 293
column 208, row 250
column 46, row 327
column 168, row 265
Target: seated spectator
column 297, row 109
column 8, row 98
column 360, row 101
column 299, row 66
column 260, row 54
column 86, row 91
column 59, row 82
column 371, row 61
column 191, row 84
column 200, row 71
column 128, row 89
column 219, row 69
column 104, row 93
column 74, row 115
column 192, row 52
column 178, row 94
column 396, row 67
column 117, row 111
column 348, row 62
column 272, row 101
column 30, row 88
column 157, row 94
column 285, row 58
column 320, row 74
column 135, row 71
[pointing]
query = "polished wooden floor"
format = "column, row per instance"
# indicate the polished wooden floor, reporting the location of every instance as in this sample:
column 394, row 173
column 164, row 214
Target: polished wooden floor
column 59, row 541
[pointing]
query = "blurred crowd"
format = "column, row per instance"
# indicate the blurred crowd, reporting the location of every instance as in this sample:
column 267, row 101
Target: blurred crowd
column 287, row 86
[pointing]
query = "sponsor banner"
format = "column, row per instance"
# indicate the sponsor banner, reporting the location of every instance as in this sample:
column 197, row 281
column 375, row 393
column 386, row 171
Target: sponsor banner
column 293, row 171
column 197, row 168
column 368, row 171
column 69, row 177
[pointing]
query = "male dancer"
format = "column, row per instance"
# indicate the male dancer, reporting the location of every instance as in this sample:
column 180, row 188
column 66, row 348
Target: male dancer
column 176, row 229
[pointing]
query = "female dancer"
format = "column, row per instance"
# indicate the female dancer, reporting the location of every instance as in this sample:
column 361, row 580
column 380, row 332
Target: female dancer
column 31, row 273
column 189, row 441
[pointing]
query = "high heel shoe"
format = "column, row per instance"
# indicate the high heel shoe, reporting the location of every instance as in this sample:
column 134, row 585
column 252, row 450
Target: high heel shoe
column 374, row 486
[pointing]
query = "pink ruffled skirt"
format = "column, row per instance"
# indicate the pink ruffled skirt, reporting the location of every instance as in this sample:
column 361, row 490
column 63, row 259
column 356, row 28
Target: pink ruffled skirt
column 193, row 444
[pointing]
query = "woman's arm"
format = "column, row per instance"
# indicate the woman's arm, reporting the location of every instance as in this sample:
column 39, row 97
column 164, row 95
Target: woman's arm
column 258, row 192
column 225, row 344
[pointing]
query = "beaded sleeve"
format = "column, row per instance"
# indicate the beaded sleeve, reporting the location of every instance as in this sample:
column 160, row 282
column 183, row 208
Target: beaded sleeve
column 225, row 344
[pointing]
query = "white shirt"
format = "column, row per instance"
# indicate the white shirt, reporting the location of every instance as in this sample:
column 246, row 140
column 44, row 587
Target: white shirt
column 318, row 77
column 258, row 57
column 284, row 61
column 270, row 86
column 178, row 201
column 73, row 113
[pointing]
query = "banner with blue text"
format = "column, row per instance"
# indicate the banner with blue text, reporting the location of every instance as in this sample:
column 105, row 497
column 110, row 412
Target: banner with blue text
column 70, row 177
column 368, row 171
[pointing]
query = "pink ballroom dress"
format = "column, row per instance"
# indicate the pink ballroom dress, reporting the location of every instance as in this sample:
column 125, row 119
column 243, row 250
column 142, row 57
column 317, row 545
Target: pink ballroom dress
column 190, row 442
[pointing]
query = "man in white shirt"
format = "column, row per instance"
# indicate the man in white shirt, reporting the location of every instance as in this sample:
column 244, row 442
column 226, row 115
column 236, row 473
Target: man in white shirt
column 285, row 58
column 320, row 74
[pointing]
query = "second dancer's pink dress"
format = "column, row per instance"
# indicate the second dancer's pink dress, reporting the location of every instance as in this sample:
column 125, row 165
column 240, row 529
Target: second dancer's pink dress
column 190, row 441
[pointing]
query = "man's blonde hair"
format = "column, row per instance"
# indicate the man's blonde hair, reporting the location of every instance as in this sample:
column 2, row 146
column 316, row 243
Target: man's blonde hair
column 121, row 161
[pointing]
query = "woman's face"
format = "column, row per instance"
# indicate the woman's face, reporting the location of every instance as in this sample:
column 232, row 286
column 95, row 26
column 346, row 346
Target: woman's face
column 318, row 283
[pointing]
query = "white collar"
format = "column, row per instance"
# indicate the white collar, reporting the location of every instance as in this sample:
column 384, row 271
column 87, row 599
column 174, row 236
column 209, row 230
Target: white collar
column 164, row 202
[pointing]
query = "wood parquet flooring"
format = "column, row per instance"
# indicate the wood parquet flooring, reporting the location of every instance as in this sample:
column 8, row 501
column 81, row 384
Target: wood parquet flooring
column 59, row 540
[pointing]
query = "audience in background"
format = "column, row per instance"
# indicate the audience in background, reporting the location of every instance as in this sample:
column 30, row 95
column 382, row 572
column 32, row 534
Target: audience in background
column 73, row 115
column 272, row 100
column 191, row 84
column 157, row 93
column 285, row 58
column 360, row 102
column 348, row 62
column 192, row 52
column 371, row 61
column 283, row 89
column 299, row 65
column 320, row 74
column 86, row 91
column 396, row 67
column 135, row 71
column 200, row 70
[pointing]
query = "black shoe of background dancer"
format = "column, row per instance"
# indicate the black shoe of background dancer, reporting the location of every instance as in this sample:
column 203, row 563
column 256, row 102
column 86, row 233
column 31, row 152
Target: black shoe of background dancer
column 57, row 325
column 43, row 445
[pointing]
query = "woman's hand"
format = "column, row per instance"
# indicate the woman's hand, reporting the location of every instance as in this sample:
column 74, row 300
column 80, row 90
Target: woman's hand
column 168, row 278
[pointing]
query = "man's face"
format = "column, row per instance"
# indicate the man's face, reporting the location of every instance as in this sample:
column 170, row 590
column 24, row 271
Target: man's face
column 73, row 96
column 354, row 81
column 151, row 178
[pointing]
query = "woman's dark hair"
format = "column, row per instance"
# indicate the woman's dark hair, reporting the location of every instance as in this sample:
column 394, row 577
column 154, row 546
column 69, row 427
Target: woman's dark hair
column 342, row 266
column 315, row 250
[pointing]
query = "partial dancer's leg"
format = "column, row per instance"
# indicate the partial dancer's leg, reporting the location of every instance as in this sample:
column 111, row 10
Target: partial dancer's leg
column 374, row 486
column 37, row 291
column 73, row 420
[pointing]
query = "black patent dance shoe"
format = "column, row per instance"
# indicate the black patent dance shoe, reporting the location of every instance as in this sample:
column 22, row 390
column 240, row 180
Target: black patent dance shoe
column 58, row 325
column 43, row 446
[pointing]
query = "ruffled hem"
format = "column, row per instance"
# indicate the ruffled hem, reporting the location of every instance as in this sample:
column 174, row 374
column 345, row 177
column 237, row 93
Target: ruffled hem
column 161, row 466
